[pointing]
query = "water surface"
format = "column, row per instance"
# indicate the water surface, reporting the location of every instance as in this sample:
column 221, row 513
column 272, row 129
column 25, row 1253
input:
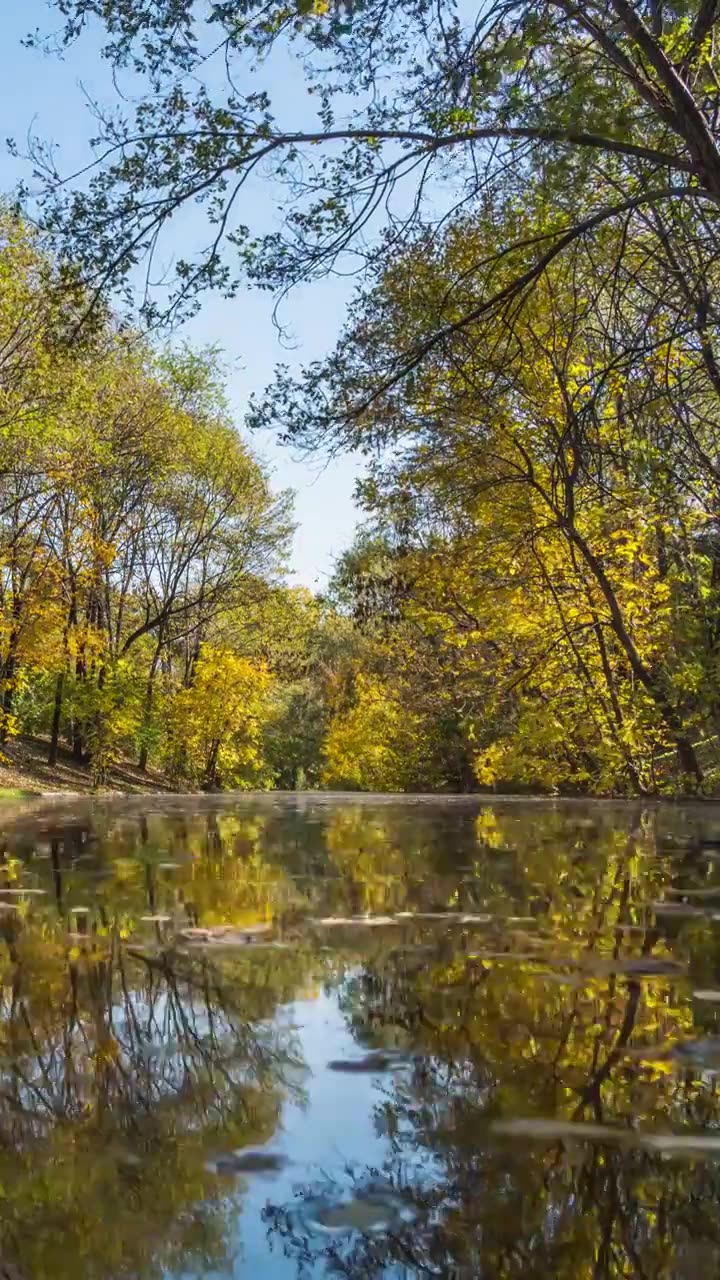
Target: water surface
column 312, row 1036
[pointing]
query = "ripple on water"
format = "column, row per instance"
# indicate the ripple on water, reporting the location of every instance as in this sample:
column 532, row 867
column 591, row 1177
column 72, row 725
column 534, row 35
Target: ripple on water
column 369, row 1213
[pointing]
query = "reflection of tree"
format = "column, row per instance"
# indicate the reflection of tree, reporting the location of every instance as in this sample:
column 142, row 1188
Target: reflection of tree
column 128, row 1058
column 539, row 1018
column 121, row 1075
column 124, row 1067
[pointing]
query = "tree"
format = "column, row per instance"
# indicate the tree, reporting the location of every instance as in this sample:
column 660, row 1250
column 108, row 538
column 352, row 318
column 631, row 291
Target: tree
column 403, row 673
column 133, row 520
column 310, row 647
column 214, row 726
column 613, row 106
column 547, row 483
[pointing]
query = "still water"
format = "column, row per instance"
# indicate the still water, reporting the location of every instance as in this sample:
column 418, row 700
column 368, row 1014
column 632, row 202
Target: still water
column 305, row 1036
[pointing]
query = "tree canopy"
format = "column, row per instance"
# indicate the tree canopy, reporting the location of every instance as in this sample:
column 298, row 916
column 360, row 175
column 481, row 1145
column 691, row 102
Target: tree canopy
column 527, row 192
column 404, row 115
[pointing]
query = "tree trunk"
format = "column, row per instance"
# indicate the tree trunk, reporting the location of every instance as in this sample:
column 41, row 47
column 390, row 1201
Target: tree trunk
column 78, row 743
column 7, row 705
column 148, row 705
column 687, row 758
column 9, row 671
column 211, row 774
column 57, row 714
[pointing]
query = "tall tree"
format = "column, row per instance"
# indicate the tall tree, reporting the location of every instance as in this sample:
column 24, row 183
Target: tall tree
column 614, row 104
column 548, row 480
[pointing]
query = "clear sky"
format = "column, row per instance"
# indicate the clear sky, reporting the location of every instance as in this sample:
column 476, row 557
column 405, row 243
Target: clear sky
column 48, row 96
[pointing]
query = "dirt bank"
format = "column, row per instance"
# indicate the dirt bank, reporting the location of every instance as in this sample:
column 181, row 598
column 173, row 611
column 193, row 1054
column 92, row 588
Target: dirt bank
column 24, row 768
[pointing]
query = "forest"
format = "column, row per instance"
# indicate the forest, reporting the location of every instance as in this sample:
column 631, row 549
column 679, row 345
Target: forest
column 528, row 197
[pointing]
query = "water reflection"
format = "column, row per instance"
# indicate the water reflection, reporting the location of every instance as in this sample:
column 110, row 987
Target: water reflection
column 291, row 1037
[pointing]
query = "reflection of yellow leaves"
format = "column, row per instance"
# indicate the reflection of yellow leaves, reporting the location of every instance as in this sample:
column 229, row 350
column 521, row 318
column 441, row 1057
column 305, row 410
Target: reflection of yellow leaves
column 127, row 869
column 487, row 829
column 658, row 1069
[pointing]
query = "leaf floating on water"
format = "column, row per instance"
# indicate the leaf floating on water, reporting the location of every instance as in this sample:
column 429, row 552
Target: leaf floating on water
column 23, row 893
column 368, row 921
column 371, row 1214
column 682, row 1144
column 522, row 957
column 378, row 1060
column 357, row 1215
column 155, row 919
column 234, row 1162
column 650, row 966
column 225, row 935
column 679, row 909
column 596, row 965
column 558, row 1130
column 702, row 1053
column 633, row 966
column 429, row 915
column 239, row 940
column 713, row 892
column 712, row 996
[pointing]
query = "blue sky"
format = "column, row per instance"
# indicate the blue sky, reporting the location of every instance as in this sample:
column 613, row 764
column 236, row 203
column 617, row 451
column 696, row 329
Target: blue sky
column 48, row 96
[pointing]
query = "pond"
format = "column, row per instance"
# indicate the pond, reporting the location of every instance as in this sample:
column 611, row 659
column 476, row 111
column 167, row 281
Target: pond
column 280, row 1037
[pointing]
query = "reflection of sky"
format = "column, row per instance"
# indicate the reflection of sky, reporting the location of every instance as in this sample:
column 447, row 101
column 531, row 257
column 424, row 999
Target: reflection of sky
column 49, row 97
column 333, row 1129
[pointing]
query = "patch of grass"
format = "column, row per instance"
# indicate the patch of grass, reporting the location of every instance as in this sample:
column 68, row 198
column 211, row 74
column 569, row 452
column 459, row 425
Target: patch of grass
column 16, row 793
